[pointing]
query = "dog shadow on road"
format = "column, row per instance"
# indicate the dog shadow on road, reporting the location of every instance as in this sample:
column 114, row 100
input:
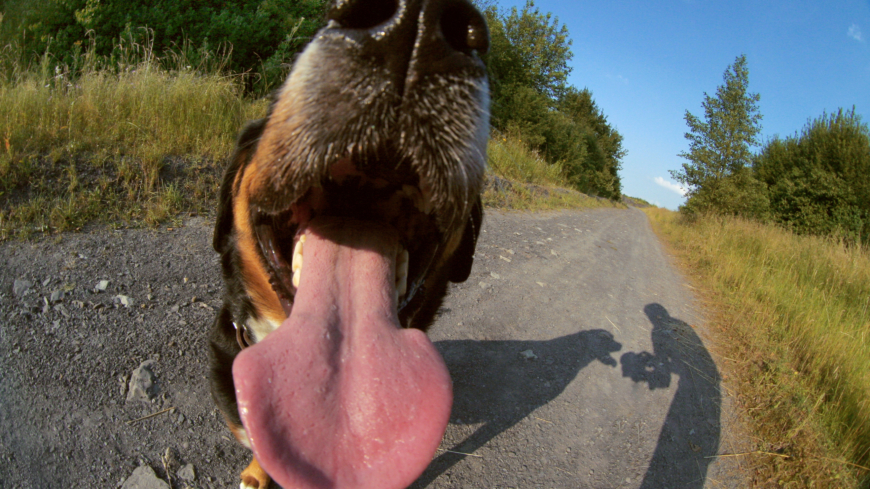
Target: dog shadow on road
column 689, row 437
column 499, row 383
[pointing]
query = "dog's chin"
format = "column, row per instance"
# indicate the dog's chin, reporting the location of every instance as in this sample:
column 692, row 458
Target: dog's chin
column 340, row 395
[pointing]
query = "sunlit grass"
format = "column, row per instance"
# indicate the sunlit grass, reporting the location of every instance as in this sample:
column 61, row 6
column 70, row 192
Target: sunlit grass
column 104, row 145
column 793, row 311
column 143, row 141
column 519, row 178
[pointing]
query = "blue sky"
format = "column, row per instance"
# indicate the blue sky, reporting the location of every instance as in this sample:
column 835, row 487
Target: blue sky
column 646, row 63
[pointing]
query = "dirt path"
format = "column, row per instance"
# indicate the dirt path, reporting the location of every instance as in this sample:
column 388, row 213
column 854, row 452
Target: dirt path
column 577, row 355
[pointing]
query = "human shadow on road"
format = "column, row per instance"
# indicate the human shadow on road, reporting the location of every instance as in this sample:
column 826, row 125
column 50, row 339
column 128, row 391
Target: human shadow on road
column 499, row 383
column 690, row 435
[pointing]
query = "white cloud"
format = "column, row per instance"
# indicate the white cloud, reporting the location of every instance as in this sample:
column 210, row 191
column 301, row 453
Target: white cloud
column 618, row 78
column 855, row 33
column 673, row 187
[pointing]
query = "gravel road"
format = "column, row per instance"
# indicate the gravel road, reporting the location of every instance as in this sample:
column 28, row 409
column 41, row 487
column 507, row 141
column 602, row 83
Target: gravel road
column 577, row 352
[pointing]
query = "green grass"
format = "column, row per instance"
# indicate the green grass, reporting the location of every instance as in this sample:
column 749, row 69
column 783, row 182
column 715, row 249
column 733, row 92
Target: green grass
column 127, row 146
column 143, row 144
column 794, row 314
column 519, row 178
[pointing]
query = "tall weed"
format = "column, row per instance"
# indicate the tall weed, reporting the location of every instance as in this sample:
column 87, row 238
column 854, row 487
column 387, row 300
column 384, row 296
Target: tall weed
column 111, row 132
column 519, row 178
column 795, row 311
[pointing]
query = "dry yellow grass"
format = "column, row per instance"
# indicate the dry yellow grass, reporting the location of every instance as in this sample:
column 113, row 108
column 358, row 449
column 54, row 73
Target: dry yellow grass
column 792, row 311
column 520, row 179
column 138, row 145
column 142, row 143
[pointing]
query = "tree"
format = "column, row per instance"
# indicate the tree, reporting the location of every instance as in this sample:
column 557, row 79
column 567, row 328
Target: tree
column 817, row 179
column 528, row 49
column 604, row 151
column 719, row 149
column 528, row 71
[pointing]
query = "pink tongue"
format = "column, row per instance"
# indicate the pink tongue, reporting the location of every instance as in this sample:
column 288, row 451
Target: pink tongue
column 339, row 395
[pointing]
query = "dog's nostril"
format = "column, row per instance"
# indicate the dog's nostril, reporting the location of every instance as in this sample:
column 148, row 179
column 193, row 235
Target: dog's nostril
column 356, row 14
column 464, row 28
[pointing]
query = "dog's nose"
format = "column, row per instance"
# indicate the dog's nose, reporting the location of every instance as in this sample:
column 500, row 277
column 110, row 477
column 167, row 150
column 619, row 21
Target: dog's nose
column 413, row 36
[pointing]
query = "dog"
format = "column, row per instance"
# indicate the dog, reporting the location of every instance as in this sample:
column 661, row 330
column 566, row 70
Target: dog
column 368, row 169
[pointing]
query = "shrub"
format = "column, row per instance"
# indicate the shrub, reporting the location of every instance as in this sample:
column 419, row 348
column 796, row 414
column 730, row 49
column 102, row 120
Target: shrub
column 818, row 179
column 262, row 35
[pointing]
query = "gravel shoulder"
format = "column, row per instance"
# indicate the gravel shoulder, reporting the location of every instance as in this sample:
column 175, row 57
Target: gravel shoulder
column 578, row 354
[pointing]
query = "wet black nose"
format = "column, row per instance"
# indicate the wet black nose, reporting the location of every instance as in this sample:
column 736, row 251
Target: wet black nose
column 413, row 36
column 455, row 22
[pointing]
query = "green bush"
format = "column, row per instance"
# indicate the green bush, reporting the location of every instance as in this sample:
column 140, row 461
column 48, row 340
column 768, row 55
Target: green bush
column 818, row 180
column 737, row 194
column 261, row 35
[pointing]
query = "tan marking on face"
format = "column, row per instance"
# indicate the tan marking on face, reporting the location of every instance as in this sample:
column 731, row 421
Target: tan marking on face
column 254, row 273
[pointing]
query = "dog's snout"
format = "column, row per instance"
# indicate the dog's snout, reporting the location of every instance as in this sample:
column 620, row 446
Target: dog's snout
column 419, row 32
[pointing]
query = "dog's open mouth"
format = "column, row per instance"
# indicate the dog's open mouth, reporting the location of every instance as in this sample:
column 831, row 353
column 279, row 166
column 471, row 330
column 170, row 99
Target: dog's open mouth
column 340, row 395
column 389, row 199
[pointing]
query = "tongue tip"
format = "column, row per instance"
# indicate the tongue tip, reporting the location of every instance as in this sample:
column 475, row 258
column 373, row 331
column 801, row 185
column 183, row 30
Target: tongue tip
column 360, row 449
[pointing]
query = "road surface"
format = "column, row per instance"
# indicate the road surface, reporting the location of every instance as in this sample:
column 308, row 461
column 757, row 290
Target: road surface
column 578, row 356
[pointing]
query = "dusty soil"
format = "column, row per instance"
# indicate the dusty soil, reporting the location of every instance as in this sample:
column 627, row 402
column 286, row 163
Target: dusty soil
column 577, row 352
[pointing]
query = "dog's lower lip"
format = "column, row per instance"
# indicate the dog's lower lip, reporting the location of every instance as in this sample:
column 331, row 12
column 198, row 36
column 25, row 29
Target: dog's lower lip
column 281, row 274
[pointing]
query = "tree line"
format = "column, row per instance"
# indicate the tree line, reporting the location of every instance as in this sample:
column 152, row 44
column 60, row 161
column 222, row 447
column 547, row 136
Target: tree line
column 258, row 39
column 814, row 182
column 531, row 99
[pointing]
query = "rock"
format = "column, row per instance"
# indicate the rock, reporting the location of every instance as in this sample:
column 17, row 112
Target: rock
column 21, row 287
column 61, row 309
column 484, row 285
column 494, row 275
column 187, row 473
column 143, row 383
column 124, row 300
column 144, row 478
column 528, row 355
column 102, row 285
column 56, row 296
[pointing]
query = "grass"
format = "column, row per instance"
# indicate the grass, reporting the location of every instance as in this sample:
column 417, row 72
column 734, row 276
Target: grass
column 794, row 315
column 137, row 144
column 146, row 141
column 518, row 178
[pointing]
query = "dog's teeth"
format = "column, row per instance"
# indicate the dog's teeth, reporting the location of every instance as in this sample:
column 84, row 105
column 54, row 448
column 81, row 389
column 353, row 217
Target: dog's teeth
column 296, row 264
column 402, row 274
